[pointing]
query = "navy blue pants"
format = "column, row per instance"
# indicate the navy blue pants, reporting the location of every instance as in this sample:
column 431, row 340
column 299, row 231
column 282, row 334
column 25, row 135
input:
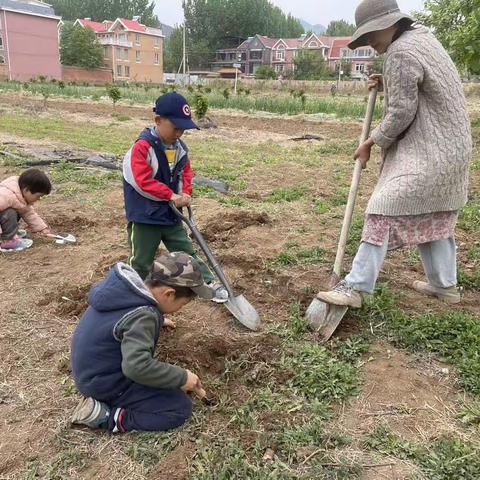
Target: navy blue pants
column 146, row 409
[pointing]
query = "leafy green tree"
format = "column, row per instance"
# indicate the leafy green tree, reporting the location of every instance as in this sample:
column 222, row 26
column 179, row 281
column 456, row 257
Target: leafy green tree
column 340, row 28
column 106, row 10
column 114, row 94
column 79, row 46
column 173, row 50
column 456, row 24
column 309, row 65
column 264, row 72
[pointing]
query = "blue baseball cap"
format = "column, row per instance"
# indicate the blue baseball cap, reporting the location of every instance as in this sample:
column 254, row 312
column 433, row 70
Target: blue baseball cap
column 173, row 106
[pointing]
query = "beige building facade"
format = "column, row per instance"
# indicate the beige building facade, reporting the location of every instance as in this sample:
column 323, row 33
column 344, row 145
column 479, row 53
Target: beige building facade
column 131, row 50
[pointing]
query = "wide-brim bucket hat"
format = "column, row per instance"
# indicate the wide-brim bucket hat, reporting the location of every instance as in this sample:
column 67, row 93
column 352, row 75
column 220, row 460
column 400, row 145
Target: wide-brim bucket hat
column 372, row 16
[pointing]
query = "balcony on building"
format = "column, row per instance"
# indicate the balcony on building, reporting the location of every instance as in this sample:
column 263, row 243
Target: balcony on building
column 114, row 41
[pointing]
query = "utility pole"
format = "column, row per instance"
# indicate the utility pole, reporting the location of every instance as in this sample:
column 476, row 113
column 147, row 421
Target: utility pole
column 184, row 49
column 339, row 71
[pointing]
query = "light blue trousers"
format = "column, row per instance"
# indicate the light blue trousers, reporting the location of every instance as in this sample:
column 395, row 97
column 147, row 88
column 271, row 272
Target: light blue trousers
column 439, row 259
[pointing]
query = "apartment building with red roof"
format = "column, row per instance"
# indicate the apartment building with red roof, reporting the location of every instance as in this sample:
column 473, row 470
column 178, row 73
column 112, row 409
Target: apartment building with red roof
column 133, row 51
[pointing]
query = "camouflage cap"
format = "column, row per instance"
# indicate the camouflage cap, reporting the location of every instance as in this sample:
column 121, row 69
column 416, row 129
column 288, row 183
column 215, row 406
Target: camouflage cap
column 178, row 269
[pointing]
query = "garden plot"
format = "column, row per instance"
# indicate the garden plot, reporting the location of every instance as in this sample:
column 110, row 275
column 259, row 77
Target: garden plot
column 387, row 398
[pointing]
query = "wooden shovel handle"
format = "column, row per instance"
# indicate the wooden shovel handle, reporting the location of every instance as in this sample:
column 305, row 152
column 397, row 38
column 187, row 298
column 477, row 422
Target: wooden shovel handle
column 352, row 196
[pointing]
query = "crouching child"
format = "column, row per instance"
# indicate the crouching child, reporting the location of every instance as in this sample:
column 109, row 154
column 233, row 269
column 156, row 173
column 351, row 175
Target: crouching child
column 17, row 196
column 112, row 350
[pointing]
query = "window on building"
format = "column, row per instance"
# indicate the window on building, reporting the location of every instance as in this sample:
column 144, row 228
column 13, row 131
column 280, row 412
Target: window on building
column 138, row 56
column 137, row 39
column 105, row 53
column 119, row 70
column 127, row 71
column 256, row 54
column 1, row 43
column 156, row 43
column 117, row 53
column 157, row 59
column 125, row 54
column 279, row 68
column 359, row 67
column 280, row 55
column 313, row 44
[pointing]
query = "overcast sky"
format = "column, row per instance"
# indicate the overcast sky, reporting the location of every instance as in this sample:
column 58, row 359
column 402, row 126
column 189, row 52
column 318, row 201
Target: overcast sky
column 313, row 11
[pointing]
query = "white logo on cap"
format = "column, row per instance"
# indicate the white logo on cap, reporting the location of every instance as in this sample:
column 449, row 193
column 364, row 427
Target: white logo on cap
column 186, row 110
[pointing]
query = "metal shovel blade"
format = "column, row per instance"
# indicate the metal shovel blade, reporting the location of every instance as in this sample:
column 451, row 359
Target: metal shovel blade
column 64, row 238
column 316, row 314
column 244, row 312
column 334, row 317
column 324, row 318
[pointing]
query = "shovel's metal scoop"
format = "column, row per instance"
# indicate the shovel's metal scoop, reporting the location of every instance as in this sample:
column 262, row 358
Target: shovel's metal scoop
column 238, row 305
column 63, row 238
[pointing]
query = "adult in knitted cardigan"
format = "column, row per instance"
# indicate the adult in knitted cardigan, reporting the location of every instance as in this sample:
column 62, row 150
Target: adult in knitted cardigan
column 426, row 148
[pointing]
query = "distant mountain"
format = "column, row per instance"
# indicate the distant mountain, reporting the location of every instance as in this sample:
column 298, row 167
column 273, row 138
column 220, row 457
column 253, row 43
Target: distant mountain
column 167, row 30
column 318, row 28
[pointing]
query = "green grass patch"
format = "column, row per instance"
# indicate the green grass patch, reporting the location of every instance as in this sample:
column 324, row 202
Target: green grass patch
column 469, row 280
column 69, row 179
column 469, row 218
column 294, row 255
column 445, row 458
column 87, row 135
column 474, row 253
column 286, row 194
column 67, row 464
column 316, row 373
column 355, row 236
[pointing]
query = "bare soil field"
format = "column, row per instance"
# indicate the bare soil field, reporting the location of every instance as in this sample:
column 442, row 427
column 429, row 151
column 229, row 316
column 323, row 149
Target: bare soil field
column 275, row 233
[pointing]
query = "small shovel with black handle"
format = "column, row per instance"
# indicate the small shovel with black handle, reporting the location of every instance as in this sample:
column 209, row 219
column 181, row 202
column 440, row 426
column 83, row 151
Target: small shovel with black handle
column 323, row 317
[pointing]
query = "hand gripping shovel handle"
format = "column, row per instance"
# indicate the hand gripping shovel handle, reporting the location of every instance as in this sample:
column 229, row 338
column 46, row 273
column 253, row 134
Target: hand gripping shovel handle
column 190, row 221
column 352, row 196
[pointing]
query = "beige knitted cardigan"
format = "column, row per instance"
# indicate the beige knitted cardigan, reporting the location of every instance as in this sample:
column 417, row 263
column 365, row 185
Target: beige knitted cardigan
column 425, row 132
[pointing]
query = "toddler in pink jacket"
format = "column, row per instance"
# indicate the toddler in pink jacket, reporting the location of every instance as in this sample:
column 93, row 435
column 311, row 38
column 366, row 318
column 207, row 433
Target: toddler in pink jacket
column 17, row 195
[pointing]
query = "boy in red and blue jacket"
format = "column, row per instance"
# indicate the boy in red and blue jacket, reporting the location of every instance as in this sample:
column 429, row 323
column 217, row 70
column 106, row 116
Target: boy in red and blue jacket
column 156, row 171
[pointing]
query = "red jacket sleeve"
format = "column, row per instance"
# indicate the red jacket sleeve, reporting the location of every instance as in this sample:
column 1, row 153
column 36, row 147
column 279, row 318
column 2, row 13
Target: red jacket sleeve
column 187, row 178
column 142, row 172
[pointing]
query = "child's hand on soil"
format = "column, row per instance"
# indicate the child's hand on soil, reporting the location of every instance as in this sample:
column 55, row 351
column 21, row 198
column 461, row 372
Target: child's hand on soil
column 167, row 323
column 192, row 383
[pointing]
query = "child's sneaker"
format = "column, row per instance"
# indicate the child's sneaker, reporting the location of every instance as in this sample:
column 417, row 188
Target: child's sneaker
column 15, row 244
column 92, row 413
column 220, row 294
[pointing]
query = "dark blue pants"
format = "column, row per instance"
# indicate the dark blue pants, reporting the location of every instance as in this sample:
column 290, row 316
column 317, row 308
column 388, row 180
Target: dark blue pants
column 147, row 409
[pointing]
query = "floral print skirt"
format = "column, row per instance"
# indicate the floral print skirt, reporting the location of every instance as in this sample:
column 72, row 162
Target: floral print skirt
column 408, row 230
